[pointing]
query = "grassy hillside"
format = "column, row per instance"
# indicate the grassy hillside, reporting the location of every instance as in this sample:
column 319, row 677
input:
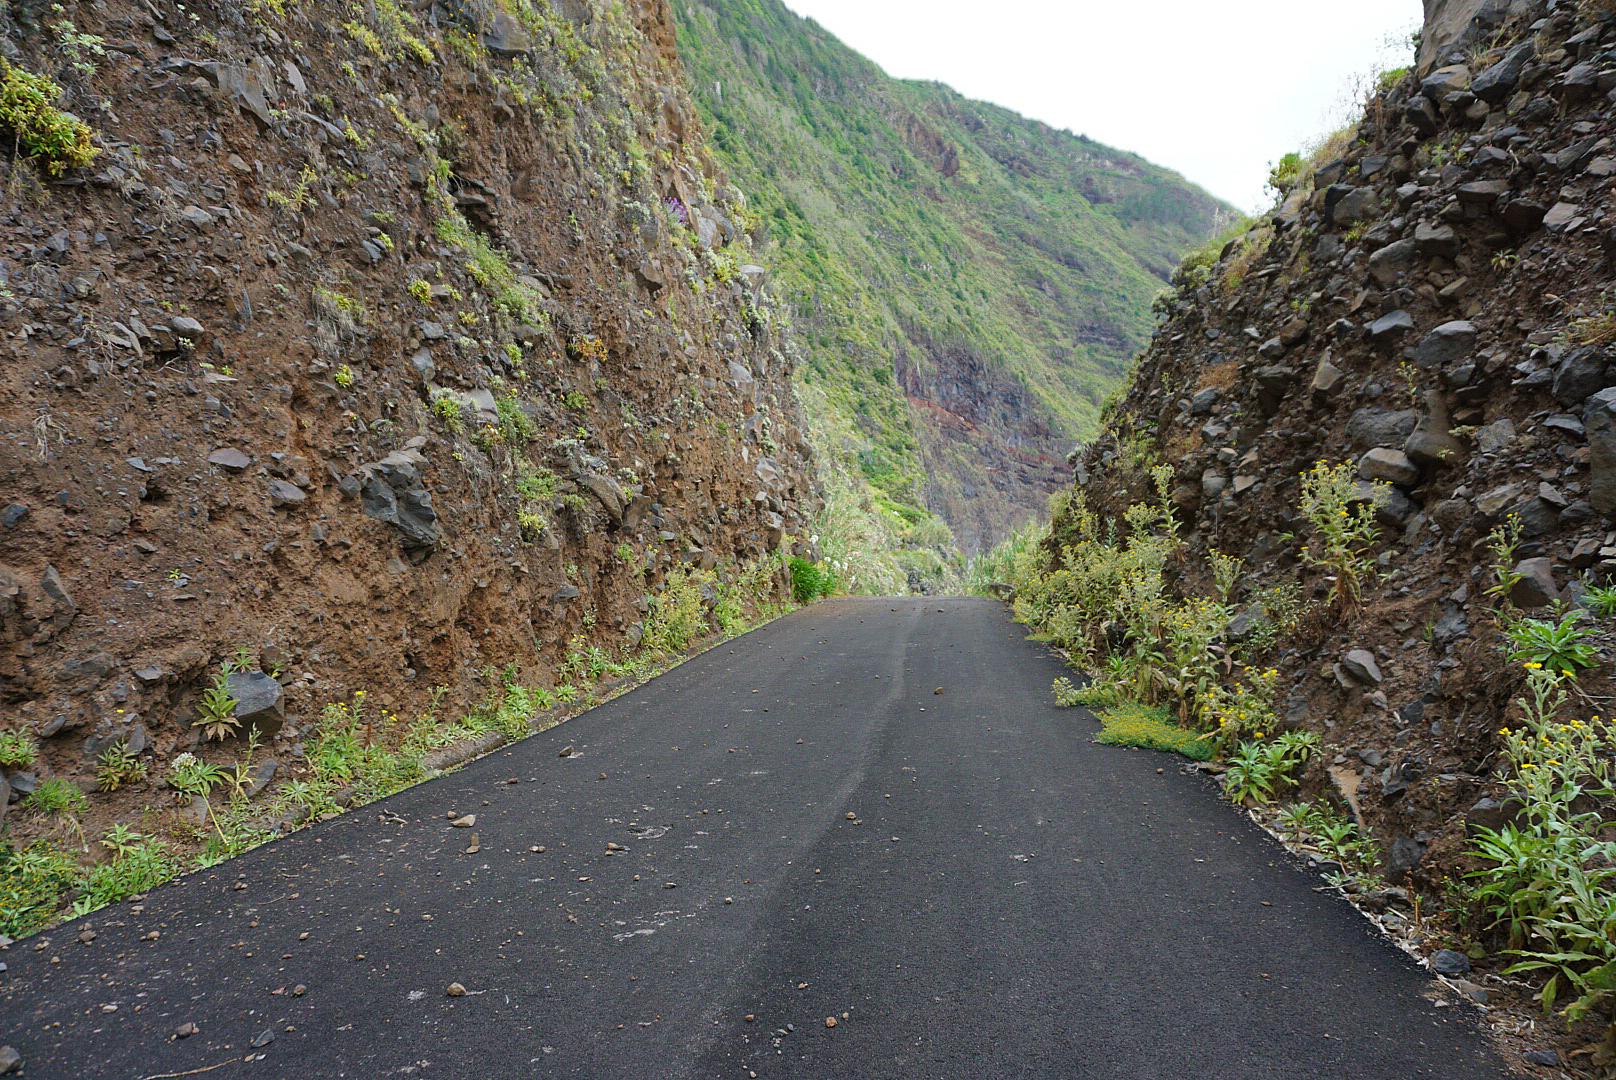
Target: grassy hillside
column 967, row 284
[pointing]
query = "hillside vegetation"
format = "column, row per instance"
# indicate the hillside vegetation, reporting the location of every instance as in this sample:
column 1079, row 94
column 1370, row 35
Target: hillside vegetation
column 966, row 284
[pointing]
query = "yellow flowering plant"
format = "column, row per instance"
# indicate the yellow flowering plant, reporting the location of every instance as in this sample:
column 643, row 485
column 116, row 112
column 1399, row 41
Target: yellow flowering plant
column 1551, row 882
column 1343, row 522
column 1234, row 714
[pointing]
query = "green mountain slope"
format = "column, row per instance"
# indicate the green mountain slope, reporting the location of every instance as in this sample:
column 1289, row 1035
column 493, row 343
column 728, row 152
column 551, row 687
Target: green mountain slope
column 967, row 284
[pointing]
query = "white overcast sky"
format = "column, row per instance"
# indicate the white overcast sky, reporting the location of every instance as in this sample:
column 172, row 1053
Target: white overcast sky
column 1215, row 89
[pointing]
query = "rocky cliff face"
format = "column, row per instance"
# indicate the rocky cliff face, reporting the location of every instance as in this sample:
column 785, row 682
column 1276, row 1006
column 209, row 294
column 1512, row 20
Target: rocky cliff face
column 1463, row 25
column 383, row 343
column 1433, row 306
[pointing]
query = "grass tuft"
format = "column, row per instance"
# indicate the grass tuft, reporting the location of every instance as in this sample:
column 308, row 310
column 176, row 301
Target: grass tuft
column 1151, row 727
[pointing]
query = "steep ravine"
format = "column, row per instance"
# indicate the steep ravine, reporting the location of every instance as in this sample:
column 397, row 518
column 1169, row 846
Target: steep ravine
column 968, row 284
column 384, row 344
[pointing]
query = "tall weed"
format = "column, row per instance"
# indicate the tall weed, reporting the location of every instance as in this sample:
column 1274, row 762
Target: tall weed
column 1551, row 882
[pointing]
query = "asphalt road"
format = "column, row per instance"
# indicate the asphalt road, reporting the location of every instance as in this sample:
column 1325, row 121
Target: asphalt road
column 963, row 880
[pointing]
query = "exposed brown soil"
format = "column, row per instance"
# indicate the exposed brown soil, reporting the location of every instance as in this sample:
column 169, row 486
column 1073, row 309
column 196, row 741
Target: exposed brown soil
column 217, row 424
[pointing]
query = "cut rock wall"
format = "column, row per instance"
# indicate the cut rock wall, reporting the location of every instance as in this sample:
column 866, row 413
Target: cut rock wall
column 1433, row 307
column 386, row 347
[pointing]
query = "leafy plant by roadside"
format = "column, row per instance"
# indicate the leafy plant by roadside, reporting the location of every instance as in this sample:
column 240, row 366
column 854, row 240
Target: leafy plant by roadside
column 1259, row 770
column 676, row 619
column 1551, row 880
column 32, row 883
column 1243, row 711
column 117, row 766
column 193, row 776
column 1334, row 835
column 352, row 748
column 138, row 864
column 1108, row 601
column 754, row 583
column 810, row 582
column 1194, row 668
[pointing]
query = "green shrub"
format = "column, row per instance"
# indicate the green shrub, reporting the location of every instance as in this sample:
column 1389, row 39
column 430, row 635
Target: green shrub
column 1094, row 695
column 1257, row 769
column 1335, row 835
column 809, row 581
column 117, row 766
column 509, row 707
column 1502, row 544
column 1601, row 601
column 216, row 713
column 514, row 424
column 357, row 746
column 446, row 406
column 1551, row 873
column 1344, row 526
column 1098, row 585
column 676, row 618
column 17, row 749
column 193, row 776
column 755, row 583
column 32, row 884
column 58, row 140
column 139, row 863
column 491, row 267
column 1243, row 711
column 1285, row 174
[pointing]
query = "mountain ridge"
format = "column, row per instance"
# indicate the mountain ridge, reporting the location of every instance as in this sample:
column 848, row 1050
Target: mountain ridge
column 968, row 283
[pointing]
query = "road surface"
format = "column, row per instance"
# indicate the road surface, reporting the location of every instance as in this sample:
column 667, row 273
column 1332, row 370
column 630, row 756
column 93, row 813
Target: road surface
column 869, row 812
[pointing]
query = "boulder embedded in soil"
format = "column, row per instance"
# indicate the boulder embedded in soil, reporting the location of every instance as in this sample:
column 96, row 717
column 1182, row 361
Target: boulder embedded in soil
column 258, row 701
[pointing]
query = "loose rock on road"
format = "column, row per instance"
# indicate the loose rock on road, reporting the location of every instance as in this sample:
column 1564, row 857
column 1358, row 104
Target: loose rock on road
column 860, row 842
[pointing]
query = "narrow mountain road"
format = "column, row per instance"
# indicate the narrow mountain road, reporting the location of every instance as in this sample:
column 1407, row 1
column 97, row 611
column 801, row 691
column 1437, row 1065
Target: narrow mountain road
column 808, row 829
